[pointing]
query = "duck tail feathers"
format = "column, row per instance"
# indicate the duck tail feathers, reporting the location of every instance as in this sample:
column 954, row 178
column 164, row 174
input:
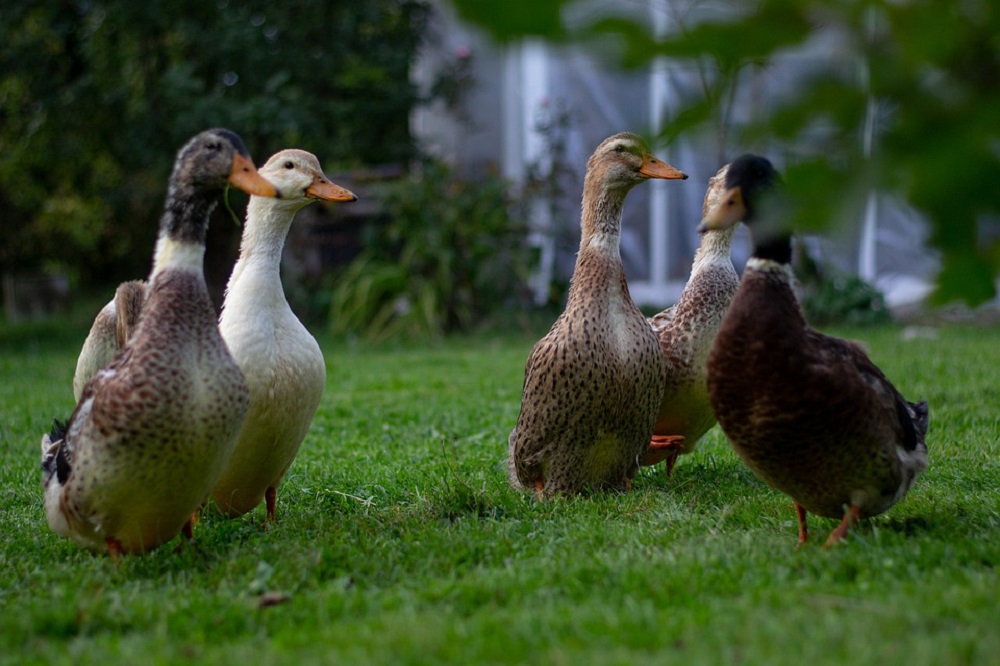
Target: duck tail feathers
column 921, row 416
column 54, row 459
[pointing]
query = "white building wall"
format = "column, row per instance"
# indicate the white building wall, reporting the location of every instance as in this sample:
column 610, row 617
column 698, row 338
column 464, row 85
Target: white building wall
column 518, row 85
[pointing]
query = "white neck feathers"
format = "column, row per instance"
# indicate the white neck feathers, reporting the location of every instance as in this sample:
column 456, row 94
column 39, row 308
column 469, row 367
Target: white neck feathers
column 770, row 266
column 605, row 243
column 177, row 255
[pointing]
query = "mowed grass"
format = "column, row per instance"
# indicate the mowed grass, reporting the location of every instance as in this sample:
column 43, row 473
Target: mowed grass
column 399, row 541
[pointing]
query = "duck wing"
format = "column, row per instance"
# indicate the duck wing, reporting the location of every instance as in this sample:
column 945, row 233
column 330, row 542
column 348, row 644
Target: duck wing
column 850, row 362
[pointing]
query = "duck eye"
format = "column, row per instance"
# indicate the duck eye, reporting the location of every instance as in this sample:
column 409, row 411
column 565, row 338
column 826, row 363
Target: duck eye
column 620, row 148
column 289, row 165
column 215, row 146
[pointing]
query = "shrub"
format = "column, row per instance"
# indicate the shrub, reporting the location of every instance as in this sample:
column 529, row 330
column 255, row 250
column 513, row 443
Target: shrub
column 449, row 256
column 844, row 299
column 96, row 97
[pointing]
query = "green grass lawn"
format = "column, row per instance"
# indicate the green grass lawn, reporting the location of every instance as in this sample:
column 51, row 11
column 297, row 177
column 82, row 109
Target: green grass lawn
column 399, row 541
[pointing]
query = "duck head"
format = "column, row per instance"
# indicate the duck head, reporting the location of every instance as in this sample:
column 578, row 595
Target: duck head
column 300, row 178
column 750, row 181
column 203, row 167
column 622, row 161
column 747, row 179
column 214, row 158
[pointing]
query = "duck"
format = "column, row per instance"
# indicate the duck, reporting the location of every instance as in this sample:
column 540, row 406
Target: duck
column 112, row 328
column 686, row 332
column 152, row 430
column 810, row 414
column 281, row 361
column 593, row 385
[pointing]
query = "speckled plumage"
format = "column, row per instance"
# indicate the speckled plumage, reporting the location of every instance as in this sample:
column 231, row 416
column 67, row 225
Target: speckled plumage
column 810, row 414
column 593, row 384
column 281, row 361
column 686, row 332
column 152, row 430
column 112, row 328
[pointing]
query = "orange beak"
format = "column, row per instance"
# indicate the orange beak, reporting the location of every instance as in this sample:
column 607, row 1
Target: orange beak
column 244, row 176
column 321, row 188
column 656, row 168
column 728, row 212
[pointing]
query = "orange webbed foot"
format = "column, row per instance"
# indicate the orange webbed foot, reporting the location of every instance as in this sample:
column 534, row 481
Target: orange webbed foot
column 663, row 447
column 851, row 516
column 672, row 442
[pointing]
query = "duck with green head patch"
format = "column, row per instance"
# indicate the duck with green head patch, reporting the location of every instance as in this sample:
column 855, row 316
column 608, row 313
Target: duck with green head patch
column 810, row 414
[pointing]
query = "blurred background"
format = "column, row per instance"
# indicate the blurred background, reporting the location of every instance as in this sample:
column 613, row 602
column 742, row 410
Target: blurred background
column 464, row 127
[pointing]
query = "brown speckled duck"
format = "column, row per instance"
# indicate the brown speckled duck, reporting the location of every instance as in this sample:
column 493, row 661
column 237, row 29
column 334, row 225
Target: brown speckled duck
column 810, row 414
column 593, row 384
column 281, row 361
column 686, row 332
column 153, row 429
column 112, row 328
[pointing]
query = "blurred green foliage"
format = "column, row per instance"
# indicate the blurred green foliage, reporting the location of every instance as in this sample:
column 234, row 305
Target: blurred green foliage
column 448, row 257
column 844, row 299
column 929, row 70
column 96, row 96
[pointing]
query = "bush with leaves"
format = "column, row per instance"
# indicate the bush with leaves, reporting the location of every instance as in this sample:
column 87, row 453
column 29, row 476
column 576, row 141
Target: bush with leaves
column 448, row 256
column 96, row 97
column 844, row 299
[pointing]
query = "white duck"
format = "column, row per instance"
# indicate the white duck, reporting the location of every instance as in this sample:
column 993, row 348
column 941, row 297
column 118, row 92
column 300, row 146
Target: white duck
column 153, row 429
column 282, row 363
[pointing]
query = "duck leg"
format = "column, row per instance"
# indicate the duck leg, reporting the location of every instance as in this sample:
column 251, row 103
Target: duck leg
column 187, row 532
column 194, row 520
column 800, row 512
column 270, row 499
column 851, row 516
column 114, row 550
column 663, row 447
column 188, row 529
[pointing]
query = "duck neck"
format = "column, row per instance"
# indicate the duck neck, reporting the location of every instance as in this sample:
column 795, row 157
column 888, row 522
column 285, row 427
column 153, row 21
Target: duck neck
column 771, row 261
column 599, row 264
column 186, row 212
column 175, row 254
column 774, row 248
column 181, row 243
column 715, row 247
column 601, row 219
column 267, row 224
